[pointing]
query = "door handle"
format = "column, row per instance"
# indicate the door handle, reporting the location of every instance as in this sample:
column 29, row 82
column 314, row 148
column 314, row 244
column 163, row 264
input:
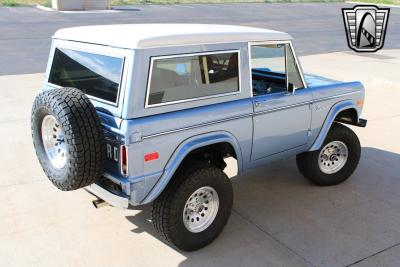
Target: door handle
column 257, row 104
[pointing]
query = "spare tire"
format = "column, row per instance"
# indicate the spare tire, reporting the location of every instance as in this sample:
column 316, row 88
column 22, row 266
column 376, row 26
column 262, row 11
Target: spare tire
column 68, row 138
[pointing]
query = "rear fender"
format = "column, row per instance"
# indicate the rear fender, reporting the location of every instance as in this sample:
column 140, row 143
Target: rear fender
column 184, row 149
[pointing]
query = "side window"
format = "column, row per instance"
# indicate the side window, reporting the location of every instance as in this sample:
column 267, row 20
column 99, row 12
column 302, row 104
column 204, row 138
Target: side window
column 195, row 76
column 294, row 78
column 274, row 69
column 268, row 69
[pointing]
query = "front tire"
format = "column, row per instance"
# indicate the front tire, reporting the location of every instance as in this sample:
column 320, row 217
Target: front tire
column 193, row 210
column 335, row 161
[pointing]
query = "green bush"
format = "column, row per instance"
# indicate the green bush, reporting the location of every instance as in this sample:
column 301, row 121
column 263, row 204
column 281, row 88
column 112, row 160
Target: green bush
column 9, row 3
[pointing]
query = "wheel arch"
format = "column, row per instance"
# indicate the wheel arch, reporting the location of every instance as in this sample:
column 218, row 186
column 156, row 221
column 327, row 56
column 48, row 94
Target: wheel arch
column 189, row 147
column 348, row 115
column 345, row 112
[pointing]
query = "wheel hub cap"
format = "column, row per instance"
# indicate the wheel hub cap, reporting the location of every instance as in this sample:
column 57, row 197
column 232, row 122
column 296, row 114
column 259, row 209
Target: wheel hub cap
column 333, row 157
column 200, row 209
column 54, row 142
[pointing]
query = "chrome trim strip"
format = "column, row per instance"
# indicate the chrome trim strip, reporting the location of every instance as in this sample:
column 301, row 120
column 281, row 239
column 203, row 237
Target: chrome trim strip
column 246, row 115
column 287, row 72
column 282, row 108
column 114, row 104
column 191, row 99
column 335, row 96
column 299, row 67
column 197, row 126
column 250, row 67
column 152, row 59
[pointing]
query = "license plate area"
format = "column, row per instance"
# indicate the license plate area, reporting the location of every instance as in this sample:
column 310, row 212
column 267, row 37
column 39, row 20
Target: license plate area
column 113, row 145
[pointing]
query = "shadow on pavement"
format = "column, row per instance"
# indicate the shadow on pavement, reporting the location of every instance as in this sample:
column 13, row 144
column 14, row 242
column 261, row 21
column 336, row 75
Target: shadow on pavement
column 281, row 218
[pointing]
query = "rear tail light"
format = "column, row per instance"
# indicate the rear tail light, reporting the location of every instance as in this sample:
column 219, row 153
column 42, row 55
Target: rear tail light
column 124, row 160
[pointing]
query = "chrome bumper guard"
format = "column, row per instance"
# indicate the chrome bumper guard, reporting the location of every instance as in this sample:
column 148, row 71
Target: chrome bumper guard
column 109, row 197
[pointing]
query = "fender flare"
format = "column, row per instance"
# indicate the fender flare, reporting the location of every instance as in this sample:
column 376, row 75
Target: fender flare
column 334, row 111
column 184, row 149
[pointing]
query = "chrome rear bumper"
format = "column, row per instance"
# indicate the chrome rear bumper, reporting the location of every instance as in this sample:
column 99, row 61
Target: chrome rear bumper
column 109, row 197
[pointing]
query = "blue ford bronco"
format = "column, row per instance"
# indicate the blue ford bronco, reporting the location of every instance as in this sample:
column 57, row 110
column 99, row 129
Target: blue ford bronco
column 148, row 113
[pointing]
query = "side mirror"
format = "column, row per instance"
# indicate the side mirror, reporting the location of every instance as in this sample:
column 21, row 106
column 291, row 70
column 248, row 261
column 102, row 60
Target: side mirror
column 291, row 88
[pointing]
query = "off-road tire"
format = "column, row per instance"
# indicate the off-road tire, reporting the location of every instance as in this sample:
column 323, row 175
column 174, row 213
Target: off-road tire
column 83, row 137
column 167, row 209
column 307, row 162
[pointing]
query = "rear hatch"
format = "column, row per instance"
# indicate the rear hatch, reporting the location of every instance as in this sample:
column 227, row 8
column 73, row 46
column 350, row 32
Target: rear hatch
column 99, row 76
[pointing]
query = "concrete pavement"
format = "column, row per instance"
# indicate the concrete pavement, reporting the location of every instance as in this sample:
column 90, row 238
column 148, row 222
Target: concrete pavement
column 279, row 219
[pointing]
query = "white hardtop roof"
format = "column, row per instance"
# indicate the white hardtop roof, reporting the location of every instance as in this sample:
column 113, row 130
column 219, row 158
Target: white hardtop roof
column 134, row 36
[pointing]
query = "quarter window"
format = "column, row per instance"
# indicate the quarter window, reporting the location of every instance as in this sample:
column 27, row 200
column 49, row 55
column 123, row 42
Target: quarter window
column 195, row 76
column 294, row 78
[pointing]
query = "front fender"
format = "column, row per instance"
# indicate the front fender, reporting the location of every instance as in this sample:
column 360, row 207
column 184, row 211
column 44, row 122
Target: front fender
column 334, row 111
column 184, row 149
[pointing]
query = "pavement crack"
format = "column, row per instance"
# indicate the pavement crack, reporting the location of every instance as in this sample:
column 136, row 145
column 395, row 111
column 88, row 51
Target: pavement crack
column 373, row 255
column 273, row 237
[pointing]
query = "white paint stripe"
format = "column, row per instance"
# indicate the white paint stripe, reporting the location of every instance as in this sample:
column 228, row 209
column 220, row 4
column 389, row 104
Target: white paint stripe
column 45, row 8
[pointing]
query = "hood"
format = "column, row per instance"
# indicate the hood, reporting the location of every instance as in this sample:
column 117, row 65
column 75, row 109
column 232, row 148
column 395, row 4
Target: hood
column 315, row 80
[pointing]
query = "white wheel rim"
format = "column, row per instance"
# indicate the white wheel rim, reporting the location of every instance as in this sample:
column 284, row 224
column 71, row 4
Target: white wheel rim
column 54, row 142
column 200, row 209
column 333, row 157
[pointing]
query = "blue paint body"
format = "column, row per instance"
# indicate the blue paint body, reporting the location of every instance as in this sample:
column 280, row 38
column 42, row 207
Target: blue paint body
column 260, row 129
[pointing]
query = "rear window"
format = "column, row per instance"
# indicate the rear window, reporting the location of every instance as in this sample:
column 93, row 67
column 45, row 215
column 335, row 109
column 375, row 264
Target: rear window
column 96, row 75
column 179, row 78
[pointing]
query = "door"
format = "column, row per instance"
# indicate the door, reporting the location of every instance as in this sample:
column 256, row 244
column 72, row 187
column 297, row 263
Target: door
column 282, row 114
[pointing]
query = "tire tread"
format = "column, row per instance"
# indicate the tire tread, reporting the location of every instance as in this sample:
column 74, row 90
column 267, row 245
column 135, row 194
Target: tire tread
column 83, row 135
column 164, row 211
column 307, row 162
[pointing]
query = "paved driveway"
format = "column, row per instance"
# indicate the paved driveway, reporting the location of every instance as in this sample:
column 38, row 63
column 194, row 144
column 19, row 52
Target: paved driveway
column 279, row 219
column 317, row 28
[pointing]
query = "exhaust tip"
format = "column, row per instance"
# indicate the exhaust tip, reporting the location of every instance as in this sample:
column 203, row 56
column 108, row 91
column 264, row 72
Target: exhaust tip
column 99, row 203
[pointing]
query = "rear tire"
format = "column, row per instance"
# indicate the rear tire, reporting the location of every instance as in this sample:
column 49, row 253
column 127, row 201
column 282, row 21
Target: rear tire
column 335, row 161
column 68, row 138
column 182, row 222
